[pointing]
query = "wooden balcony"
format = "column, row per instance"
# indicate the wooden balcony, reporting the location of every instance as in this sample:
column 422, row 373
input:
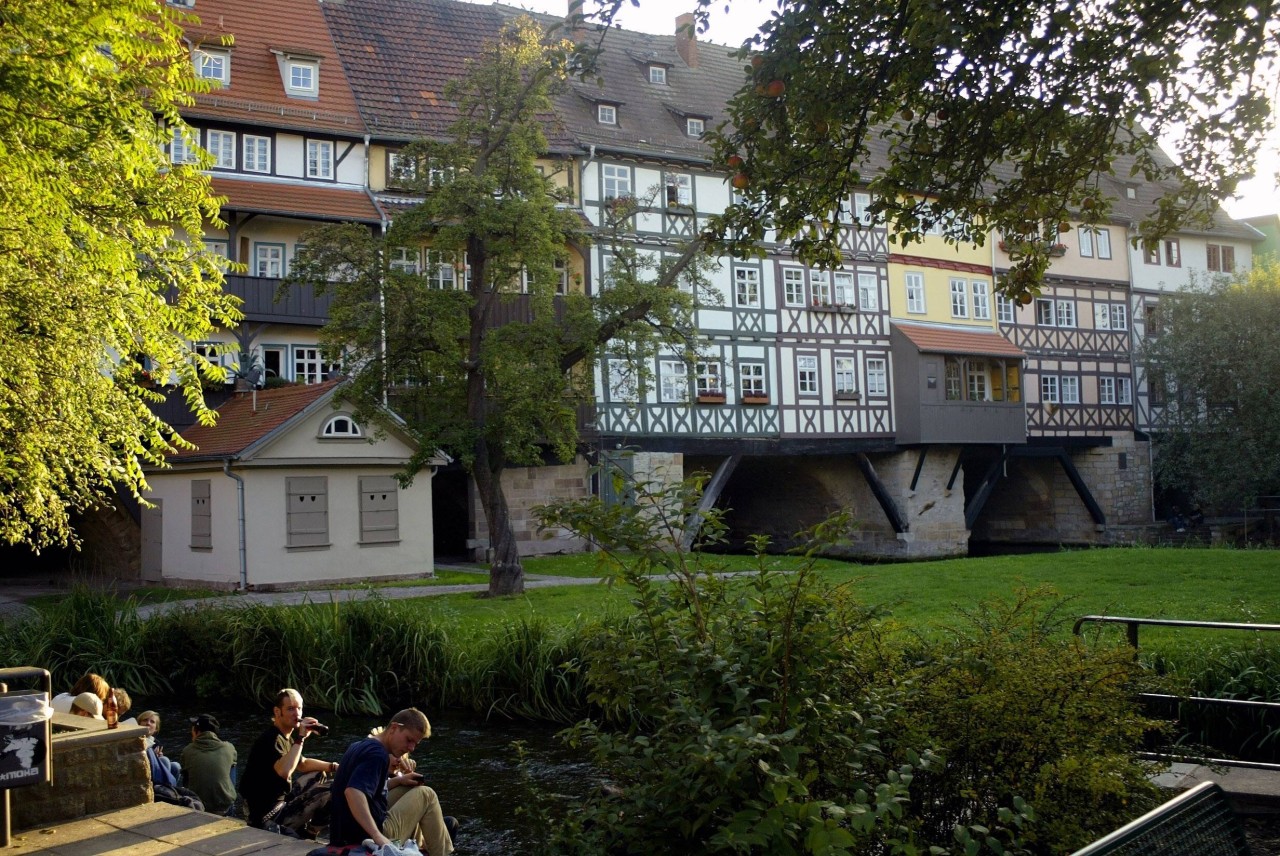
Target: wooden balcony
column 300, row 305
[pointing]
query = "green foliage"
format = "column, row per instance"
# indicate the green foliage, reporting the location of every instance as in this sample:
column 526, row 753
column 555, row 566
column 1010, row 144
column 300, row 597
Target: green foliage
column 95, row 221
column 977, row 116
column 1214, row 356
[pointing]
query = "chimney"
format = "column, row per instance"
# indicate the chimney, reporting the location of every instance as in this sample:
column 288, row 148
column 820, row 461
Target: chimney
column 686, row 40
column 574, row 22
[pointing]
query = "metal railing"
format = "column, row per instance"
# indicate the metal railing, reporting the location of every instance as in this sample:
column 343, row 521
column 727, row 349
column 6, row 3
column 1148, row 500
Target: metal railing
column 1132, row 624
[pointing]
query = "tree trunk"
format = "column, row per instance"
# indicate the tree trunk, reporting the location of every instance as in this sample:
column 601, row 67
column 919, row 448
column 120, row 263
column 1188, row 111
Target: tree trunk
column 506, row 573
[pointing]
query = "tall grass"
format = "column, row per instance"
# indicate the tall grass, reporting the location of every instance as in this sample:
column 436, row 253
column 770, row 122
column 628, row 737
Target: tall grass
column 362, row 657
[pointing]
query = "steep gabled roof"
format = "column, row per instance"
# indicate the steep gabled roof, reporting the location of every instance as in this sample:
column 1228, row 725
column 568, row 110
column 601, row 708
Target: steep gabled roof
column 261, row 29
column 248, row 420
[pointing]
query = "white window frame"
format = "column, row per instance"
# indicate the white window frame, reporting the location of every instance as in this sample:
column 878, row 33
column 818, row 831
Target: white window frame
column 679, row 190
column 658, row 74
column 868, row 292
column 213, row 65
column 843, row 292
column 319, row 159
column 914, row 282
column 256, row 156
column 1049, row 389
column 695, row 126
column 308, row 364
column 607, row 114
column 1006, row 312
column 977, row 380
column 710, row 378
column 442, row 272
column 820, row 287
column 623, row 387
column 1046, row 316
column 746, row 287
column 1106, row 390
column 877, row 376
column 959, row 298
column 846, row 375
column 341, row 426
column 182, row 150
column 404, row 259
column 862, row 202
column 673, row 378
column 793, row 286
column 268, row 257
column 616, row 181
column 1065, row 313
column 1069, row 389
column 1124, row 390
column 981, row 300
column 751, row 380
column 302, row 77
column 806, row 375
column 221, row 145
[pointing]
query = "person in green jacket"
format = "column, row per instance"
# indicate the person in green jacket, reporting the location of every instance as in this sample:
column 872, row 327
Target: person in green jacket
column 207, row 763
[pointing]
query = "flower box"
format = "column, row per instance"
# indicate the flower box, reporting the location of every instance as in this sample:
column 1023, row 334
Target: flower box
column 755, row 399
column 711, row 398
column 848, row 396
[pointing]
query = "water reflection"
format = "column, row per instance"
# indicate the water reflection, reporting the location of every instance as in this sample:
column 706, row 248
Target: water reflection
column 470, row 764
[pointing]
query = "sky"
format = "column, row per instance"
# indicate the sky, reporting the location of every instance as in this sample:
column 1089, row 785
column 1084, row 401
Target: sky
column 1256, row 197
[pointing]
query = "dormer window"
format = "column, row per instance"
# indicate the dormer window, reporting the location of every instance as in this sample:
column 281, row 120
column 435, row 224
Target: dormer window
column 695, row 127
column 658, row 74
column 300, row 72
column 302, row 78
column 213, row 65
column 341, row 427
column 607, row 114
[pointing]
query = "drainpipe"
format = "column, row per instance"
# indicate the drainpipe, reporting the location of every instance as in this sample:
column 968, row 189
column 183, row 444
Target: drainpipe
column 244, row 559
column 383, row 223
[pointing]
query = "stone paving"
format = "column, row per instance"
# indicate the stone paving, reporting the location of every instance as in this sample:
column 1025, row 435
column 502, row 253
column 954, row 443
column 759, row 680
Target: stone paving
column 154, row 829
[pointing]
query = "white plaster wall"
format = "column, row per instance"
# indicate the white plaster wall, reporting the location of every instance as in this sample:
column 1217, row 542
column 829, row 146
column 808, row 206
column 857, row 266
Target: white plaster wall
column 290, row 150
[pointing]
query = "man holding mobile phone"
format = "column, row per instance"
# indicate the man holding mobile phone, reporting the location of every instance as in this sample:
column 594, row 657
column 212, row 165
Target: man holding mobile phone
column 360, row 808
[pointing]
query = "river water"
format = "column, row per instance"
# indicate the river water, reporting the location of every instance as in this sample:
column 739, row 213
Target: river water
column 469, row 763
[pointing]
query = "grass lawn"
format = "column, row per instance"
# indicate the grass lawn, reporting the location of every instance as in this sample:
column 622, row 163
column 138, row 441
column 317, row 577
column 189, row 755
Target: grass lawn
column 140, row 596
column 1188, row 583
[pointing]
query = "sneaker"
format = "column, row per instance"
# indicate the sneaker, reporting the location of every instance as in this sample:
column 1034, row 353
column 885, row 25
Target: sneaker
column 451, row 826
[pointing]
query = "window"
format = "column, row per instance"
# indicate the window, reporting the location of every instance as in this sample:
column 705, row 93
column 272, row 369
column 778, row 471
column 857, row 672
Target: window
column 709, row 379
column 180, row 150
column 308, row 367
column 1110, row 316
column 222, row 146
column 379, row 510
column 218, row 249
column 658, row 74
column 820, row 287
column 441, row 272
column 607, row 114
column 746, row 283
column 268, row 260
column 1124, row 390
column 1151, row 254
column 308, row 511
column 679, row 190
column 622, row 381
column 439, row 176
column 1221, row 258
column 1095, row 241
column 617, row 181
column 846, row 376
column 793, row 286
column 404, row 259
column 302, row 78
column 959, row 298
column 978, row 386
column 341, row 426
column 1004, row 309
column 915, row 293
column 877, row 376
column 981, row 300
column 402, row 171
column 319, row 159
column 1069, row 386
column 561, row 278
column 695, row 127
column 843, row 292
column 673, row 376
column 807, row 375
column 1157, row 388
column 1066, row 313
column 1106, row 390
column 751, row 379
column 1044, row 312
column 201, row 515
column 952, row 379
column 868, row 292
column 861, row 208
column 213, row 65
column 257, row 153
column 1172, row 252
column 1049, row 389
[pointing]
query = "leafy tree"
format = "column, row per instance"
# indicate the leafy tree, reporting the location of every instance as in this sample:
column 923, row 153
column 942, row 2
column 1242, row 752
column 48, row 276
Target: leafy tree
column 992, row 115
column 1213, row 361
column 89, row 253
column 492, row 394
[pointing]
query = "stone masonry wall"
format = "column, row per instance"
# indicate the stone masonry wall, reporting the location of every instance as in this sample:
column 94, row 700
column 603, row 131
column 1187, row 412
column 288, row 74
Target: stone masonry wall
column 526, row 488
column 92, row 774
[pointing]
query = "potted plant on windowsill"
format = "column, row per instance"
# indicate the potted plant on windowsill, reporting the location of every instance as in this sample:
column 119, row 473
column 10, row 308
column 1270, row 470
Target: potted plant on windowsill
column 822, row 306
column 847, row 395
column 846, row 308
column 711, row 396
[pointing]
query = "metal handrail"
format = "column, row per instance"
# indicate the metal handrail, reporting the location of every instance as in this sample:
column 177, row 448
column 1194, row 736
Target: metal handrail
column 1132, row 624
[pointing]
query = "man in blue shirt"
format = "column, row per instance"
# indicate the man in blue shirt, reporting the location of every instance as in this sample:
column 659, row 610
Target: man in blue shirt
column 359, row 810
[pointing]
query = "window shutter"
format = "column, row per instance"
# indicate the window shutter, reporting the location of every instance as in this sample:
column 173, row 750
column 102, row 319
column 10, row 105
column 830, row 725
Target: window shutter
column 379, row 509
column 308, row 511
column 201, row 514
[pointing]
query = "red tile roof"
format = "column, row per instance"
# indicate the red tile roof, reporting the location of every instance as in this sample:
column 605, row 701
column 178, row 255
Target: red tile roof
column 939, row 340
column 294, row 199
column 240, row 424
column 256, row 93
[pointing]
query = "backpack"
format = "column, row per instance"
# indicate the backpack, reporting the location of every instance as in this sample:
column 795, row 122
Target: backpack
column 177, row 796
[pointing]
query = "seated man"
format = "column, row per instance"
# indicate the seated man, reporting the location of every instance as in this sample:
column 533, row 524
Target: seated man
column 276, row 756
column 207, row 763
column 359, row 807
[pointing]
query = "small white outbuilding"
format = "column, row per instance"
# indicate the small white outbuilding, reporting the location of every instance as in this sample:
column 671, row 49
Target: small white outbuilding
column 288, row 489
